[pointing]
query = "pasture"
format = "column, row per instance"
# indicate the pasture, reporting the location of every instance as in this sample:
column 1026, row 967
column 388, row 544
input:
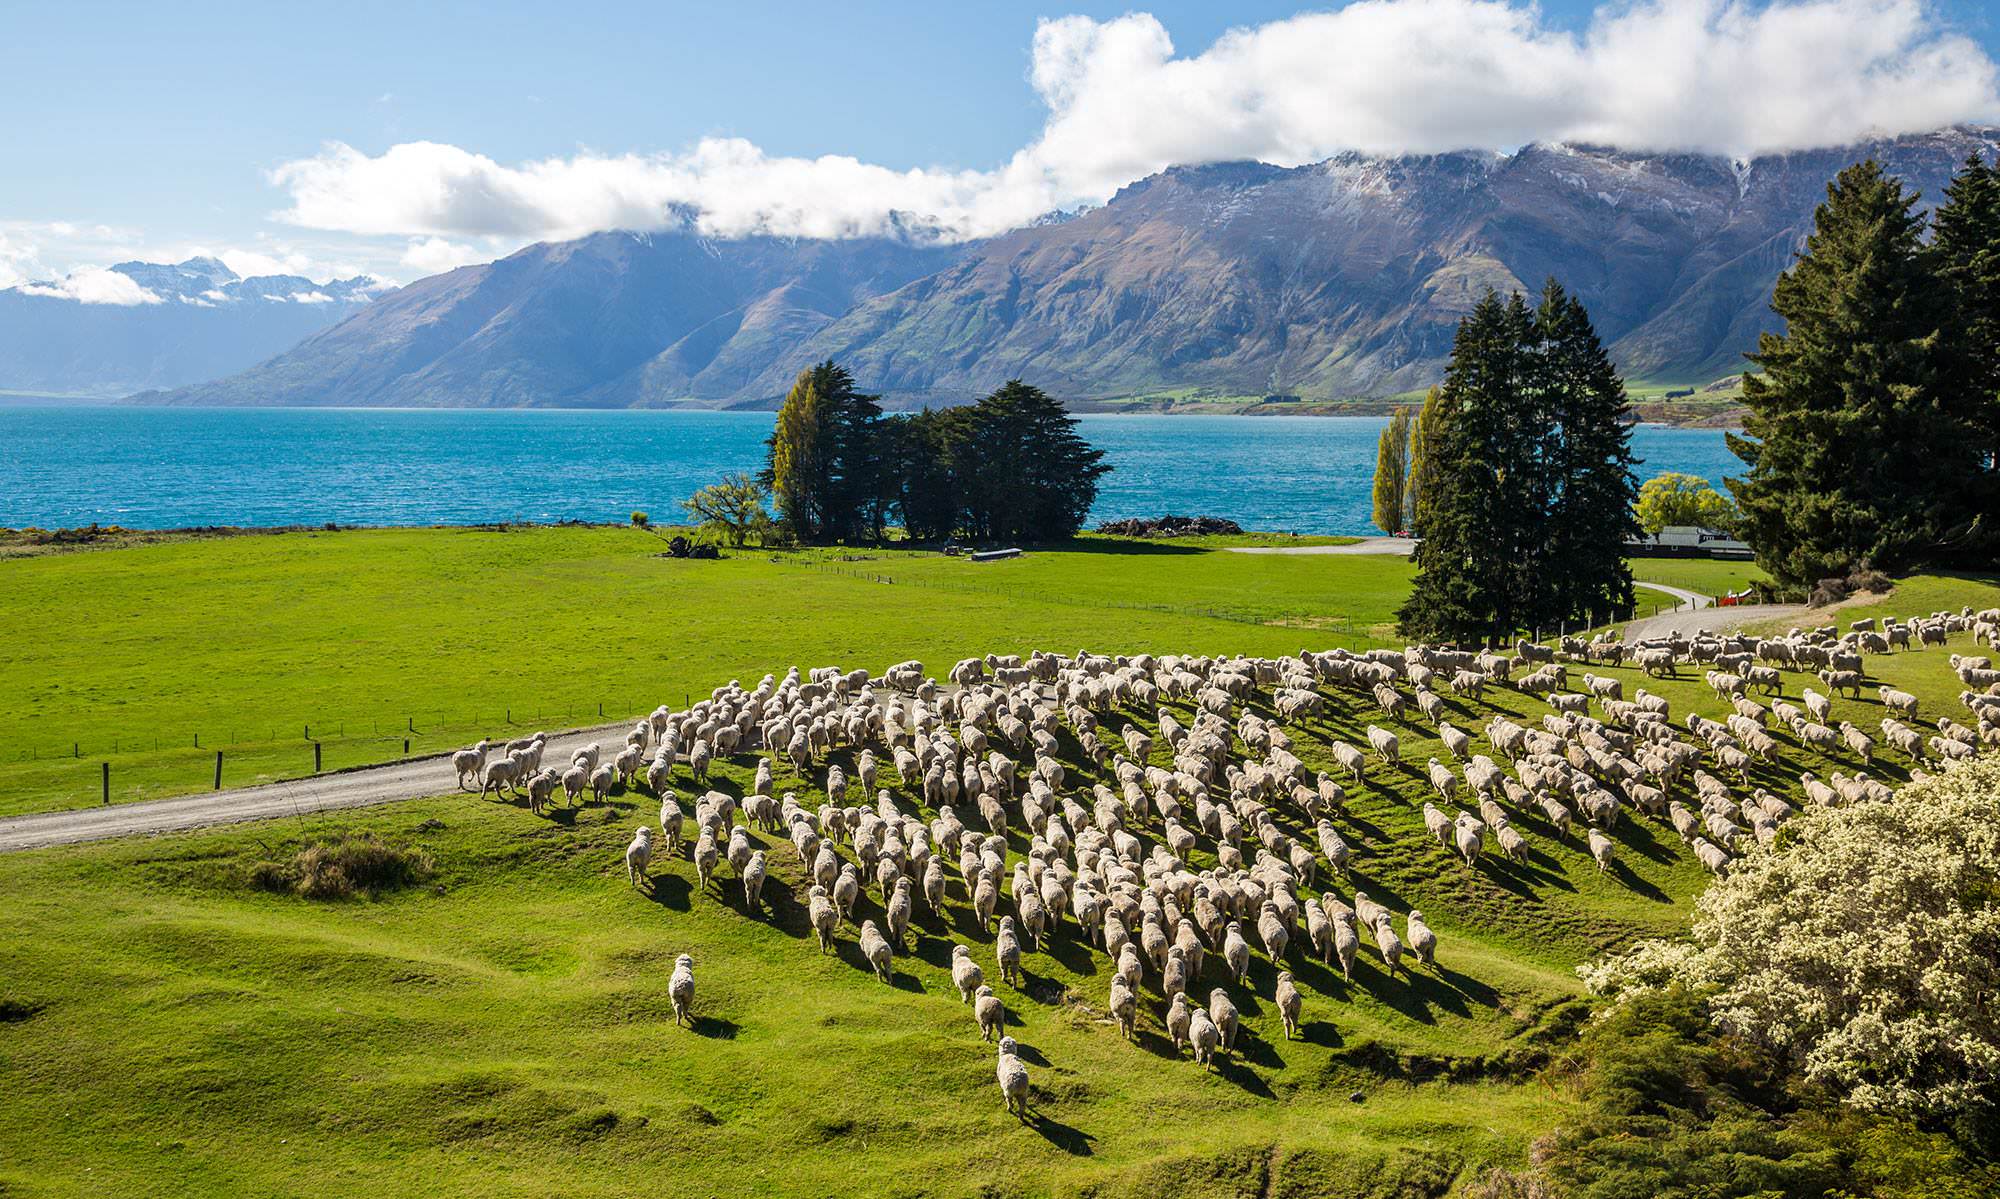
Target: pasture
column 503, row 1027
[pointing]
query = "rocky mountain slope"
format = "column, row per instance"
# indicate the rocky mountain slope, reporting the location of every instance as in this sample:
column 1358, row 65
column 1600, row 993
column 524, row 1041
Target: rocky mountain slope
column 173, row 325
column 1341, row 278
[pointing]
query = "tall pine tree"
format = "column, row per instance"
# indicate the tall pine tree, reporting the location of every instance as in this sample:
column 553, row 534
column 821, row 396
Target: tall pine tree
column 1031, row 476
column 1965, row 254
column 1590, row 487
column 1861, row 447
column 1471, row 532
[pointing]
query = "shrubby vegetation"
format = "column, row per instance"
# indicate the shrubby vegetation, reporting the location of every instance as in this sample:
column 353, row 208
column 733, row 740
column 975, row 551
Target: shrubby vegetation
column 344, row 866
column 1864, row 950
column 1675, row 499
column 1829, row 1027
column 1874, row 418
column 1010, row 467
column 1523, row 478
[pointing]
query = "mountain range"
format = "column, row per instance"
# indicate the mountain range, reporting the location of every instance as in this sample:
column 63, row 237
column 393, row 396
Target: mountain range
column 1343, row 278
column 167, row 325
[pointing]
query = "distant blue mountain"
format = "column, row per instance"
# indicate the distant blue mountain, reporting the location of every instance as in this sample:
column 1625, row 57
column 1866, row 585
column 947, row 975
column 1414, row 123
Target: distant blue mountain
column 179, row 323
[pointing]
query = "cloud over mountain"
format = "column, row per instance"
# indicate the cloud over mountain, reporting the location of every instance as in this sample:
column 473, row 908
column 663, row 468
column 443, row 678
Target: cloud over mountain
column 1728, row 77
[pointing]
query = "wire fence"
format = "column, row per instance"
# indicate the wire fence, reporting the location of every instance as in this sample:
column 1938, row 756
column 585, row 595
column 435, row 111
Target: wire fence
column 418, row 727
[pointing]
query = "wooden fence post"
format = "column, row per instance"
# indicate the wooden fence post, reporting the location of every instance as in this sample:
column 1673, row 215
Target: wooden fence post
column 315, row 757
column 218, row 770
column 107, row 782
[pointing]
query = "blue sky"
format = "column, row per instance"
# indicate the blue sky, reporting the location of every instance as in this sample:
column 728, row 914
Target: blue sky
column 144, row 130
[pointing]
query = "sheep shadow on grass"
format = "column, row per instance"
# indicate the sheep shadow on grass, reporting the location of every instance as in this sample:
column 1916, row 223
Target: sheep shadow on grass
column 669, row 890
column 1068, row 1138
column 715, row 1029
column 1630, row 879
column 1232, row 1069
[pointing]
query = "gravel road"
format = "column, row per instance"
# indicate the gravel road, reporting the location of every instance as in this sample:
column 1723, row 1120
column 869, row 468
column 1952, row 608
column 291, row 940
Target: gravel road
column 411, row 778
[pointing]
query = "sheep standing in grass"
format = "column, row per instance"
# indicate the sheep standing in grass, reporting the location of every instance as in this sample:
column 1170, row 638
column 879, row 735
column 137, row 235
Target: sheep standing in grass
column 501, row 775
column 1124, row 1006
column 965, row 973
column 602, row 780
column 1007, row 950
column 1423, row 942
column 989, row 1012
column 1222, row 1011
column 670, row 822
column 1390, row 944
column 638, row 855
column 1236, row 952
column 1013, row 1077
column 705, row 857
column 1600, row 849
column 1289, row 1003
column 680, row 989
column 1178, row 1019
column 875, row 948
column 1203, row 1037
column 753, row 883
column 825, row 920
column 898, row 909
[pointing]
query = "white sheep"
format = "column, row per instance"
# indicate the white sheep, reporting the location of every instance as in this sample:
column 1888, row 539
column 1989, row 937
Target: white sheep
column 1222, row 1011
column 1289, row 1003
column 1013, row 1078
column 1423, row 942
column 638, row 855
column 989, row 1012
column 680, row 989
column 875, row 948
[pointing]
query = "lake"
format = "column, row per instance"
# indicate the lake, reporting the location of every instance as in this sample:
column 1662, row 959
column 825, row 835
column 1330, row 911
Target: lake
column 157, row 468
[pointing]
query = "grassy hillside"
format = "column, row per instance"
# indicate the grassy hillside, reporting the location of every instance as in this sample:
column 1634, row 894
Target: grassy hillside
column 168, row 1027
column 366, row 638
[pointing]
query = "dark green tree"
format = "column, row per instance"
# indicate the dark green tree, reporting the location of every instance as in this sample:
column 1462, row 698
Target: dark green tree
column 1472, row 530
column 923, row 451
column 1587, row 483
column 825, row 466
column 1861, row 444
column 1024, row 472
column 1965, row 255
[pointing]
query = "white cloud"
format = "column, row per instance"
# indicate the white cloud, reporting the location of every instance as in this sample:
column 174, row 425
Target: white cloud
column 1380, row 76
column 312, row 297
column 94, row 285
column 436, row 255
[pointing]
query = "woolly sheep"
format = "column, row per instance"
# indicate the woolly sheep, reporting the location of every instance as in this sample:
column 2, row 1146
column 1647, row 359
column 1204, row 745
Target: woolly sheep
column 1007, row 951
column 1423, row 942
column 1600, row 849
column 1013, row 1077
column 1289, row 1003
column 1178, row 1020
column 1222, row 1011
column 989, row 1012
column 965, row 973
column 680, row 989
column 823, row 917
column 875, row 948
column 638, row 855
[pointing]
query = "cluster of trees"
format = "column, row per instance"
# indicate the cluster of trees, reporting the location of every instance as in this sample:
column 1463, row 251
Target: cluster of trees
column 1520, row 481
column 1008, row 468
column 1873, row 434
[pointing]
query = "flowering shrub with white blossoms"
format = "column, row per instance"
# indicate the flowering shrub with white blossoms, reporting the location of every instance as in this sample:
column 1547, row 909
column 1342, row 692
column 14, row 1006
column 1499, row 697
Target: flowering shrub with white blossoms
column 1865, row 946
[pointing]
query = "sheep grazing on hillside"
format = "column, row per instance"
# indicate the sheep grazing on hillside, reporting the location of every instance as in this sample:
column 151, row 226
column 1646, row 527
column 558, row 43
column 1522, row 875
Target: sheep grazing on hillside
column 1422, row 941
column 1600, row 849
column 1389, row 943
column 1385, row 745
column 1289, row 1003
column 602, row 780
column 1007, row 951
column 825, row 921
column 875, row 948
column 1222, row 1011
column 501, row 774
column 1203, row 1037
column 1900, row 702
column 753, row 883
column 638, row 855
column 965, row 973
column 1124, row 1006
column 989, row 1012
column 680, row 989
column 1179, row 1018
column 1236, row 952
column 1013, row 1077
column 705, row 857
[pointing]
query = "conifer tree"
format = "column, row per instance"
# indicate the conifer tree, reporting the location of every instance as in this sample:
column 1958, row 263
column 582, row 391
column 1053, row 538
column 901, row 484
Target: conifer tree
column 1392, row 471
column 1965, row 255
column 796, row 469
column 1587, row 465
column 1860, row 446
column 1471, row 534
column 1031, row 476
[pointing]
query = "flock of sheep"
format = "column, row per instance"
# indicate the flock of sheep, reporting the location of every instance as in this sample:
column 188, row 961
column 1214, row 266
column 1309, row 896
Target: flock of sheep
column 1111, row 862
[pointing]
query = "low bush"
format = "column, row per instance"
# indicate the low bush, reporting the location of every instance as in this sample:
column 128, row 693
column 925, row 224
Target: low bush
column 344, row 867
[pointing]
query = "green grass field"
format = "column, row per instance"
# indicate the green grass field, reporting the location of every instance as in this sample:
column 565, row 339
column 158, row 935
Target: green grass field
column 168, row 1028
column 1707, row 576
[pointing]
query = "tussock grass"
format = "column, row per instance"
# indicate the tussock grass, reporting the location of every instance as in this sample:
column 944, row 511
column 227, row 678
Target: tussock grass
column 344, row 866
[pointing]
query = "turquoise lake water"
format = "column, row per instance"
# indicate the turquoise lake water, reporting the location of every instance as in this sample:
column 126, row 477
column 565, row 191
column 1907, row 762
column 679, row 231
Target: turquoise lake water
column 158, row 468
